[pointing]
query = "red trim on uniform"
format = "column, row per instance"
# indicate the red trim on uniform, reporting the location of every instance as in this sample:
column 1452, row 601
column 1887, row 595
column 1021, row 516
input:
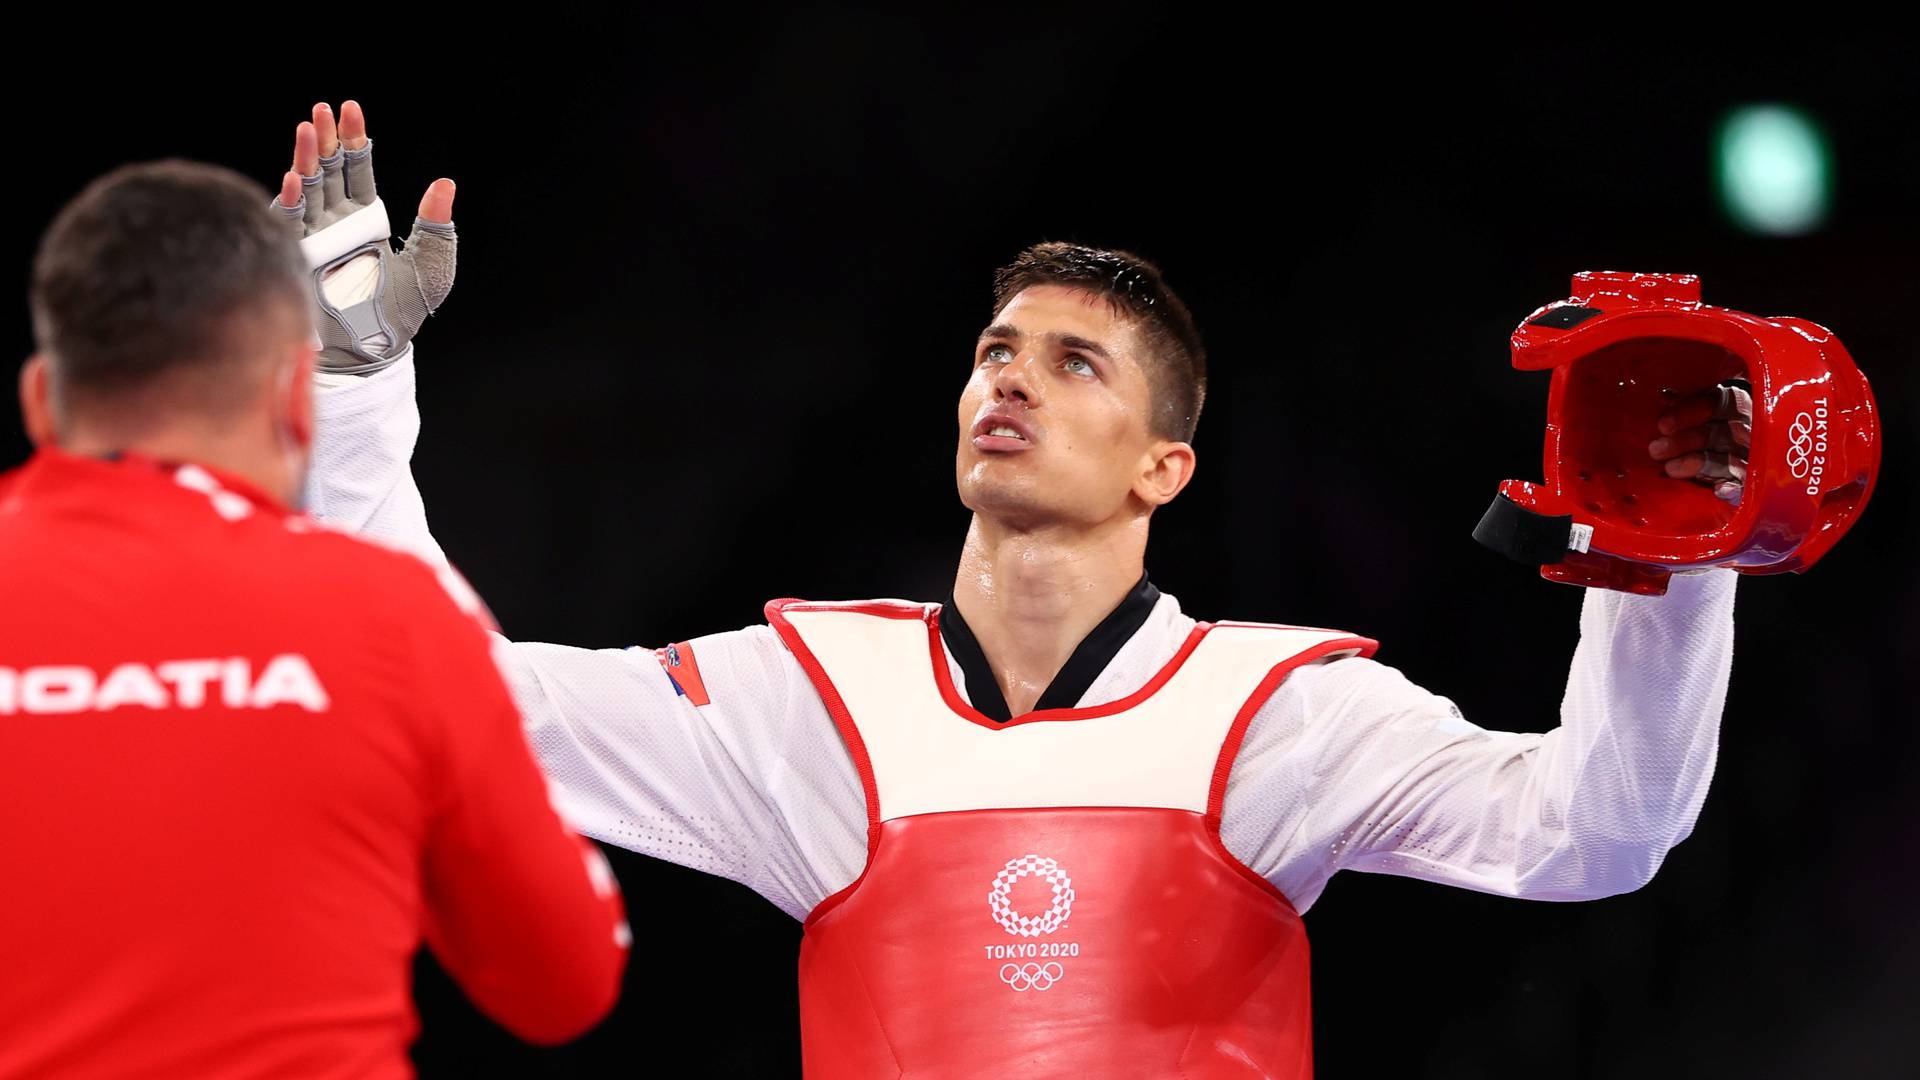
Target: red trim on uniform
column 1230, row 748
column 777, row 615
column 951, row 696
column 886, row 609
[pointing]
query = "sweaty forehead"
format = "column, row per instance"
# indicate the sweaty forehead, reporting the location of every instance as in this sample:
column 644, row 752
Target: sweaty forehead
column 1062, row 309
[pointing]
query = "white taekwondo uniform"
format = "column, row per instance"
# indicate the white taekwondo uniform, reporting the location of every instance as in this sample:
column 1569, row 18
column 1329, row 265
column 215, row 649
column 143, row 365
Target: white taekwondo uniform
column 1347, row 764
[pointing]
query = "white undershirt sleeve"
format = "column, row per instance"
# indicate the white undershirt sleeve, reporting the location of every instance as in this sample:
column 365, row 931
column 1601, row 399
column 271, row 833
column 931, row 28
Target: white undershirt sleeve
column 1352, row 766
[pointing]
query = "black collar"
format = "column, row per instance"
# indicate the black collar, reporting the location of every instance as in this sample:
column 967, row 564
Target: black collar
column 1089, row 658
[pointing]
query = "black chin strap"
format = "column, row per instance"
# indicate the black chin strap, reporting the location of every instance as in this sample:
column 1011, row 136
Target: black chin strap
column 1523, row 535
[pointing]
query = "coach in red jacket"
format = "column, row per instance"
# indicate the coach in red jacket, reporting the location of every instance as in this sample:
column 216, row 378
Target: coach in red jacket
column 246, row 763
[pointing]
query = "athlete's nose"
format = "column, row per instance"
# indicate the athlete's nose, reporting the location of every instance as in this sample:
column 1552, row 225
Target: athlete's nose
column 1016, row 382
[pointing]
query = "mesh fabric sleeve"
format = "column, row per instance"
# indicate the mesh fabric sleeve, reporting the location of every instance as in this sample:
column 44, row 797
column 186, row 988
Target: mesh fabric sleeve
column 755, row 785
column 1352, row 766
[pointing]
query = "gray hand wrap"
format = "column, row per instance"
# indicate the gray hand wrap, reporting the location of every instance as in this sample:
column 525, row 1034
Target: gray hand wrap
column 372, row 299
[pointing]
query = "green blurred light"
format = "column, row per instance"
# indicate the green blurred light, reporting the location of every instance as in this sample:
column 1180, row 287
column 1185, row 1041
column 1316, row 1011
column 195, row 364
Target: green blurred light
column 1774, row 170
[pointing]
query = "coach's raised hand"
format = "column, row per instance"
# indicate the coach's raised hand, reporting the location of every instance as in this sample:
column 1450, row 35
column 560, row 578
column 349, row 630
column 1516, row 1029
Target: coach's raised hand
column 372, row 298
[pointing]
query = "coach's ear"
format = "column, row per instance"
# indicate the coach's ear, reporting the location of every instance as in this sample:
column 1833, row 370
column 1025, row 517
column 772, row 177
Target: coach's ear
column 36, row 401
column 293, row 397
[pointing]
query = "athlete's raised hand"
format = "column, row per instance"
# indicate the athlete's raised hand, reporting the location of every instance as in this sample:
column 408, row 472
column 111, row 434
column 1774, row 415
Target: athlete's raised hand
column 372, row 298
column 1705, row 438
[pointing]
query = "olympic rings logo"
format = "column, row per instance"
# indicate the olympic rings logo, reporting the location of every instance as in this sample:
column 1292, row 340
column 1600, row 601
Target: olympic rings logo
column 1024, row 977
column 1800, row 446
column 1000, row 902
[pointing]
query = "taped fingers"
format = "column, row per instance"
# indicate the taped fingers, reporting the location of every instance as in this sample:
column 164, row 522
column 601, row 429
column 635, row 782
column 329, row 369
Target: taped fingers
column 1724, row 472
column 1727, row 437
column 1737, row 403
column 359, row 152
column 333, row 181
column 313, row 201
column 306, row 165
column 1710, row 465
column 1715, row 403
column 372, row 298
column 289, row 206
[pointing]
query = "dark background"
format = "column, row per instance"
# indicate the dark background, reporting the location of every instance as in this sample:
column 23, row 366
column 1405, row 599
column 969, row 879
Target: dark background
column 719, row 280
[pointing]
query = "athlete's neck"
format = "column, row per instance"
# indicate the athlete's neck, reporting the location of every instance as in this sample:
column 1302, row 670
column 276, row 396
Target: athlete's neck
column 1031, row 595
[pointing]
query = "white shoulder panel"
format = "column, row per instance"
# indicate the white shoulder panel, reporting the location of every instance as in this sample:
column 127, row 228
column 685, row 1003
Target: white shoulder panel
column 927, row 758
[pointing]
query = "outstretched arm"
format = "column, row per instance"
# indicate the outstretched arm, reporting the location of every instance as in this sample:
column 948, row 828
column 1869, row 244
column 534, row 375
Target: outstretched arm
column 748, row 780
column 1352, row 766
column 1394, row 780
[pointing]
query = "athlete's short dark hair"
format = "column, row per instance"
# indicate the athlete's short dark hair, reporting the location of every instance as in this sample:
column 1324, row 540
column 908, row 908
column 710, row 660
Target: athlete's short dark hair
column 156, row 270
column 1177, row 364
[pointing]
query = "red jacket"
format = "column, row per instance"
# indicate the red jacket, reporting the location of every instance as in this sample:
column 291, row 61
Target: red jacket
column 246, row 765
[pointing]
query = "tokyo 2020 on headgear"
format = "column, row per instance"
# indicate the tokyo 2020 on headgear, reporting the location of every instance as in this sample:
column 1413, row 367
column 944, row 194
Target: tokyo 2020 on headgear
column 1623, row 349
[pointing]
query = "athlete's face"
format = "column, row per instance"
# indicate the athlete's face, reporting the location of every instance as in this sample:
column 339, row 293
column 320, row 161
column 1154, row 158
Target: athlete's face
column 1054, row 422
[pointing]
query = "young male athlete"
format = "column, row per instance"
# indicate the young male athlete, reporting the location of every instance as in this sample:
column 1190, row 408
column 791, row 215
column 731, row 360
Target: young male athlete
column 1054, row 826
column 246, row 763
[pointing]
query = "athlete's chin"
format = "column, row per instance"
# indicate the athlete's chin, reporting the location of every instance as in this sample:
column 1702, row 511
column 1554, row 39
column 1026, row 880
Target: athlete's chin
column 1019, row 502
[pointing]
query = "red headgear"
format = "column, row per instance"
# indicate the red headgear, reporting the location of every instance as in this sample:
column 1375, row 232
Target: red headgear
column 1623, row 349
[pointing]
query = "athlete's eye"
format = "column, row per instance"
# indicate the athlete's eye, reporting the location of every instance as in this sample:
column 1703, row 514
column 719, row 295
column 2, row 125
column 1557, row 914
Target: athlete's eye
column 997, row 354
column 1079, row 365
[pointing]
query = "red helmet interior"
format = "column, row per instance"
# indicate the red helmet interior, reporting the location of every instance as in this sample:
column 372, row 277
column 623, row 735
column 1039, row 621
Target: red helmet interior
column 1612, row 403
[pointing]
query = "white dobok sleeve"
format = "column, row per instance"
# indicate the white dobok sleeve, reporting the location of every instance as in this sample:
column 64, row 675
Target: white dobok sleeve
column 1351, row 766
column 755, row 786
column 361, row 478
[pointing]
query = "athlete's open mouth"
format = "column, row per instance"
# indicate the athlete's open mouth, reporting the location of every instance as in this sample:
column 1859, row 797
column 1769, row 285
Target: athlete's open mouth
column 999, row 431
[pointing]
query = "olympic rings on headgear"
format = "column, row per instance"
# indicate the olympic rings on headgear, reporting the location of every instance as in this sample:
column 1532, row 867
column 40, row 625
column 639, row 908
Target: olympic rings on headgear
column 1800, row 445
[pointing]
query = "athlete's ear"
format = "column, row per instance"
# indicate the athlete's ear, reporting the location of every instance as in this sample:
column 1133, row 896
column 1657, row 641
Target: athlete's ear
column 1167, row 469
column 36, row 401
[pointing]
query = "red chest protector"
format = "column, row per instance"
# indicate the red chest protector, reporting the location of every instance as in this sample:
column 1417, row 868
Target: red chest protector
column 1048, row 897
